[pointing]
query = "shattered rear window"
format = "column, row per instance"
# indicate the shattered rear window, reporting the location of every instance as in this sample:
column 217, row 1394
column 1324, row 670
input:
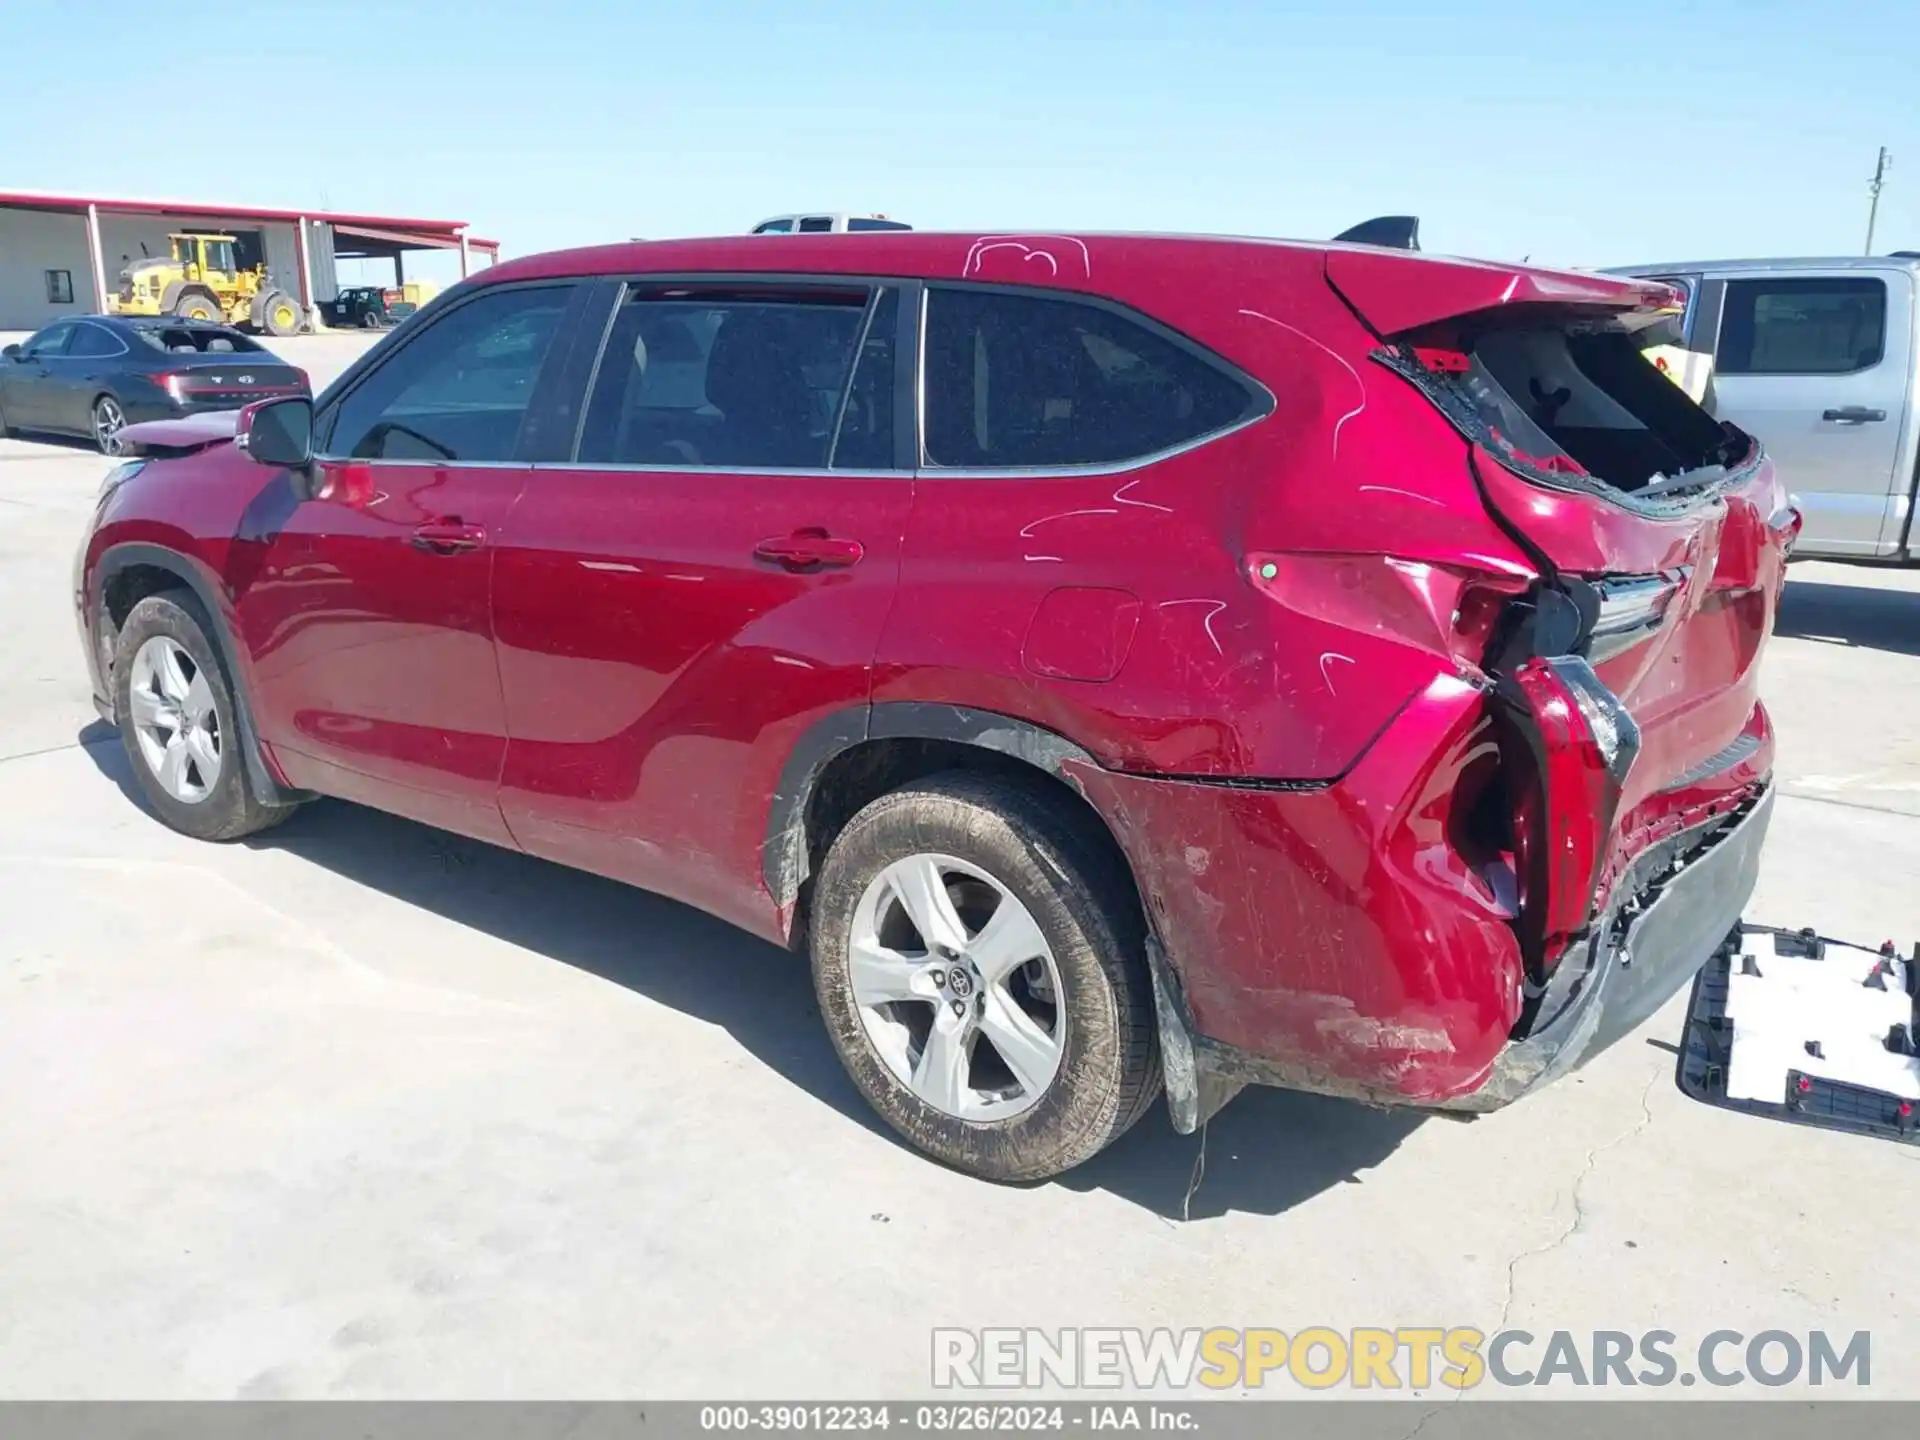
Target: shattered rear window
column 198, row 340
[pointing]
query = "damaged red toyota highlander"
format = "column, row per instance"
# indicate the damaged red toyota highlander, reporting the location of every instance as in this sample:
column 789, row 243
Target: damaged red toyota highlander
column 1112, row 659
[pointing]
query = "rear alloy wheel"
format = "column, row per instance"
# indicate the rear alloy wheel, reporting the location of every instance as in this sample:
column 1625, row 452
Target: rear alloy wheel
column 178, row 725
column 980, row 964
column 108, row 421
column 969, row 1021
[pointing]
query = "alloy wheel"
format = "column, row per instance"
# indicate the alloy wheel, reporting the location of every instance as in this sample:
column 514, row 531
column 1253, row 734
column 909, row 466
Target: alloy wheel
column 957, row 988
column 108, row 421
column 175, row 720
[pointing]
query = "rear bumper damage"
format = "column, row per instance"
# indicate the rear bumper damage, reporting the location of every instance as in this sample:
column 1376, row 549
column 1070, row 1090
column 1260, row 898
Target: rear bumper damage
column 1336, row 939
column 1674, row 911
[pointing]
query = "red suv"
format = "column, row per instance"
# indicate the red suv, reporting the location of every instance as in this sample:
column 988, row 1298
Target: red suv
column 1119, row 661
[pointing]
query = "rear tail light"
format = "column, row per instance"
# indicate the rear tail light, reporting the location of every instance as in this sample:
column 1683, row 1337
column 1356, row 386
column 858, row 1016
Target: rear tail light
column 1578, row 744
column 174, row 385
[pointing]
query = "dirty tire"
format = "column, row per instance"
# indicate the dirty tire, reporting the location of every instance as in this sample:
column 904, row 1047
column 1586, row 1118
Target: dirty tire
column 231, row 809
column 197, row 307
column 7, row 432
column 1033, row 845
column 277, row 314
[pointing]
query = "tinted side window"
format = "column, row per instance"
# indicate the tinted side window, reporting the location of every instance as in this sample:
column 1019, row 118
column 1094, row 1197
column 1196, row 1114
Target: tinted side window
column 50, row 341
column 814, row 224
column 90, row 341
column 460, row 389
column 747, row 381
column 1802, row 327
column 866, row 223
column 1014, row 379
column 774, row 227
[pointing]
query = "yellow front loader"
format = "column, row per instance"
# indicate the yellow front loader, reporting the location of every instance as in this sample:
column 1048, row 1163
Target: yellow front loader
column 202, row 280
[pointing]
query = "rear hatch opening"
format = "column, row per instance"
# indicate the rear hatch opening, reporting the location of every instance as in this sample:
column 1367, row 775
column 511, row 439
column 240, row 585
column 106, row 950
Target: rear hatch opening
column 1572, row 402
column 1622, row 684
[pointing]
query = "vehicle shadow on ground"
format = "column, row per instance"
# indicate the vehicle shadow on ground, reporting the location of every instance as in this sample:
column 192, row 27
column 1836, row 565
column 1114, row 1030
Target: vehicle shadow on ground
column 1265, row 1153
column 1862, row 616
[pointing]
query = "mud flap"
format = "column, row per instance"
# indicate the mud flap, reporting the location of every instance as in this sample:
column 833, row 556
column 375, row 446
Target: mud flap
column 1816, row 1031
column 1195, row 1091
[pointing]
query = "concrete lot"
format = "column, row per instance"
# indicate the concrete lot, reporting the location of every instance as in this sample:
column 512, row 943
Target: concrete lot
column 364, row 1110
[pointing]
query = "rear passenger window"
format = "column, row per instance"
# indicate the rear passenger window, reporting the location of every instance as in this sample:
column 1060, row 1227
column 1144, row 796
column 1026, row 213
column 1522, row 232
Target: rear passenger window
column 1822, row 326
column 460, row 390
column 91, row 342
column 1024, row 381
column 732, row 381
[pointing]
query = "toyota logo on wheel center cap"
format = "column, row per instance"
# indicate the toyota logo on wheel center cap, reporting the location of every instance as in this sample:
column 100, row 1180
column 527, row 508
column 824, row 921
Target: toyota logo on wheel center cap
column 960, row 982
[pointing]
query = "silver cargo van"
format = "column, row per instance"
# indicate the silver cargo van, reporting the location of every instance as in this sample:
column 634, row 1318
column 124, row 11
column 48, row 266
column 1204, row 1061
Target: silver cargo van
column 1818, row 359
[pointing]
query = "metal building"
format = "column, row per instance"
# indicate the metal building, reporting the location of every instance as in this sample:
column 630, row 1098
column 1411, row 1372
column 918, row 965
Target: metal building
column 62, row 254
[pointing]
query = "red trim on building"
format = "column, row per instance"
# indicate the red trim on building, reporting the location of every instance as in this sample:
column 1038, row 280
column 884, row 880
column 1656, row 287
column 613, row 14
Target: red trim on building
column 77, row 205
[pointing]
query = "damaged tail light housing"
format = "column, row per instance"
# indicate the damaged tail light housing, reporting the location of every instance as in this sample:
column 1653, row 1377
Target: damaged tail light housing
column 1576, row 745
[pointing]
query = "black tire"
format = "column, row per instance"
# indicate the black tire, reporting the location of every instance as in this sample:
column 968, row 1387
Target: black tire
column 278, row 315
column 369, row 319
column 1109, row 1071
column 197, row 305
column 7, row 432
column 230, row 809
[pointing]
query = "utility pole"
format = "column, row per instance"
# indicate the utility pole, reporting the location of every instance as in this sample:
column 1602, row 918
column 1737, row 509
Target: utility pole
column 1880, row 168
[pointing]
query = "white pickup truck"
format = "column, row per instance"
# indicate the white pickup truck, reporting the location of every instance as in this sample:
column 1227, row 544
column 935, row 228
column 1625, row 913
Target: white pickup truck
column 1821, row 360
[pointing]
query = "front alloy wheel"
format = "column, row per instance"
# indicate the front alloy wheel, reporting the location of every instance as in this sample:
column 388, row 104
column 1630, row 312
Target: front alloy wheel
column 174, row 720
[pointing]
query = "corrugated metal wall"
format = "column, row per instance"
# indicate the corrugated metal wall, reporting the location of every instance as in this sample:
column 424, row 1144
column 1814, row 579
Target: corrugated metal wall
column 326, row 273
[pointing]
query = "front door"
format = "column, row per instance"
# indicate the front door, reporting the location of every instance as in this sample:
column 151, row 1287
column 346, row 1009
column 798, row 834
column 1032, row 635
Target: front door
column 710, row 578
column 29, row 378
column 1816, row 365
column 366, row 608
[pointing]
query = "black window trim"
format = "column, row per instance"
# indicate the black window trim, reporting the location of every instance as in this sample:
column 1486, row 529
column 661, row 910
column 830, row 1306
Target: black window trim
column 1728, row 282
column 1260, row 399
column 906, row 348
column 450, row 302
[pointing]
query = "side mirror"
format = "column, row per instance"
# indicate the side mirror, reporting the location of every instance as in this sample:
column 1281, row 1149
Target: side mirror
column 12, row 352
column 278, row 432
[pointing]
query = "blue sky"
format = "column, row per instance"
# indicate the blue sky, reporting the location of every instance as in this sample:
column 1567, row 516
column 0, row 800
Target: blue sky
column 1577, row 133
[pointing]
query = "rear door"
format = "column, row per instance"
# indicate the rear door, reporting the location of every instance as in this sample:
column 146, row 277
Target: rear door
column 1818, row 365
column 705, row 580
column 88, row 368
column 366, row 609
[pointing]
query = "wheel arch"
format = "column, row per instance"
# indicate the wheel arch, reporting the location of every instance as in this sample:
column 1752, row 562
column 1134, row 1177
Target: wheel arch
column 852, row 757
column 130, row 572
